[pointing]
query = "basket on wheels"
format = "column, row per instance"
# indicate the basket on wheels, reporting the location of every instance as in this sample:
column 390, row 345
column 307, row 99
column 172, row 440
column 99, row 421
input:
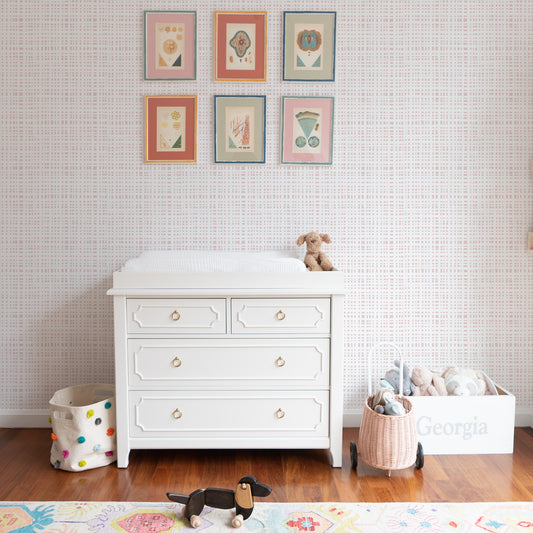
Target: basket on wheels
column 388, row 442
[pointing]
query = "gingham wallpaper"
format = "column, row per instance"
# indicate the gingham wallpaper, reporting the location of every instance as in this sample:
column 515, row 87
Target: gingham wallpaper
column 428, row 201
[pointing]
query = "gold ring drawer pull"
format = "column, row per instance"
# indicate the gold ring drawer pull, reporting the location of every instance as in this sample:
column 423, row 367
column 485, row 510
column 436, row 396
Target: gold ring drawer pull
column 280, row 361
column 280, row 315
column 175, row 316
column 280, row 413
column 177, row 414
column 176, row 362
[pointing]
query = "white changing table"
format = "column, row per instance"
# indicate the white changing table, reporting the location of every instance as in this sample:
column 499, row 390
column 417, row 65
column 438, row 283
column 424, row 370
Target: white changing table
column 228, row 360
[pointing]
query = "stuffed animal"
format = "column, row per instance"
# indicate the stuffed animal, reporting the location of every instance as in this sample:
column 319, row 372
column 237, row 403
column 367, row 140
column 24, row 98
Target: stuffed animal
column 392, row 378
column 379, row 398
column 384, row 402
column 427, row 383
column 393, row 407
column 464, row 382
column 315, row 259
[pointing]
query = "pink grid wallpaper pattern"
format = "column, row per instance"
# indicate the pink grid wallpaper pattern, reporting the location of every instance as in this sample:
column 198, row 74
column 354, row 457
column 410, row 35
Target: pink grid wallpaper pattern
column 428, row 201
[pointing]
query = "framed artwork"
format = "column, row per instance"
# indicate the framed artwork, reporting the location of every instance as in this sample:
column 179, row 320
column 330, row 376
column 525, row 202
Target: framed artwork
column 309, row 45
column 170, row 128
column 240, row 45
column 170, row 45
column 307, row 130
column 240, row 129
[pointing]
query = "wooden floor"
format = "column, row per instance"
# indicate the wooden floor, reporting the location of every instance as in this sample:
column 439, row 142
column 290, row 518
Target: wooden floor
column 295, row 476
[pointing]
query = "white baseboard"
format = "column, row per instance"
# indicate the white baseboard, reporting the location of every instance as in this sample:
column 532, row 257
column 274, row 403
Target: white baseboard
column 523, row 418
column 38, row 418
column 24, row 418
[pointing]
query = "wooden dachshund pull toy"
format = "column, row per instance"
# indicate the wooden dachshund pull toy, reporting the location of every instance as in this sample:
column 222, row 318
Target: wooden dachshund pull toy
column 242, row 498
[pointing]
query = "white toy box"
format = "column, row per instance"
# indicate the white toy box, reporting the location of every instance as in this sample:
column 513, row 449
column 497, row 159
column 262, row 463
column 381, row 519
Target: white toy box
column 465, row 424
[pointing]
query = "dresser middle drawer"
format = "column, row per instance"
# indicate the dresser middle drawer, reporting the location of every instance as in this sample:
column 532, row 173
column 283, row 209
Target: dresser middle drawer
column 160, row 364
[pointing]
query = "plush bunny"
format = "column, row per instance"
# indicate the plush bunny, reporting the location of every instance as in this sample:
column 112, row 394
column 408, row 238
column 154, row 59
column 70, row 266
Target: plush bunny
column 315, row 259
column 427, row 383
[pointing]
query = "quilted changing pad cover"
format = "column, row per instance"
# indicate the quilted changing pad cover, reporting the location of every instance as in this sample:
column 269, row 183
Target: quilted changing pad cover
column 200, row 261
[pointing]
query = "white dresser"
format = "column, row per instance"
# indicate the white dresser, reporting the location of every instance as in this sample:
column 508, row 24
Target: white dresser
column 228, row 360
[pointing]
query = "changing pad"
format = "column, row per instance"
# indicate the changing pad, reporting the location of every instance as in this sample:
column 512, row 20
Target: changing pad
column 200, row 261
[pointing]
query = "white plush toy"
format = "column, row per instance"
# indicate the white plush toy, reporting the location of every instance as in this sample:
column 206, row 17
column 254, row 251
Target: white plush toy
column 464, row 382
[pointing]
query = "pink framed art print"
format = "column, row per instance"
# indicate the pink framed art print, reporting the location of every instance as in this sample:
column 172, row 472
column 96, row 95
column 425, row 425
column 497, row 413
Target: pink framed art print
column 170, row 45
column 307, row 130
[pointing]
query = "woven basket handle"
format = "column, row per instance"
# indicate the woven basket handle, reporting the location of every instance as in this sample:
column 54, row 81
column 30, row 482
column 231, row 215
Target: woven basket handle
column 374, row 348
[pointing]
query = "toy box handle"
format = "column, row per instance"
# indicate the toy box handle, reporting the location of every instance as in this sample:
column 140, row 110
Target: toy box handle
column 374, row 348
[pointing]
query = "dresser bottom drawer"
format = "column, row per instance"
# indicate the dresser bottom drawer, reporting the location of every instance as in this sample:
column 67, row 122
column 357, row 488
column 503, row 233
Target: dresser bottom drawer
column 229, row 414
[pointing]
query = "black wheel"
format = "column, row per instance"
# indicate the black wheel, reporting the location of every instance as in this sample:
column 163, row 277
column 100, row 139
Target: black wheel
column 353, row 455
column 419, row 456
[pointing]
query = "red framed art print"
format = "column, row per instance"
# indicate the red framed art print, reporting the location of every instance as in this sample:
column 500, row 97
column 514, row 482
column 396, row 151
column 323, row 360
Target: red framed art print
column 240, row 45
column 170, row 128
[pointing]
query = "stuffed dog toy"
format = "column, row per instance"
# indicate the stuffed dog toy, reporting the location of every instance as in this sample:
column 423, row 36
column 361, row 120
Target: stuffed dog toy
column 315, row 259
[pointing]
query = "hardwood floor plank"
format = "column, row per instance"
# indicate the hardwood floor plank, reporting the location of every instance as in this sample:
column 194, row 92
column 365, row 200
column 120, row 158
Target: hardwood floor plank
column 294, row 475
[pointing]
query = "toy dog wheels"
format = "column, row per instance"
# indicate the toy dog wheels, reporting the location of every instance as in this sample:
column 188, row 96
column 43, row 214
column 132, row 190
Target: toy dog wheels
column 195, row 521
column 237, row 521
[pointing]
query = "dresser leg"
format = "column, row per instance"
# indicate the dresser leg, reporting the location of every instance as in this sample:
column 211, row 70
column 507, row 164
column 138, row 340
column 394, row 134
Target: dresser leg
column 336, row 456
column 123, row 458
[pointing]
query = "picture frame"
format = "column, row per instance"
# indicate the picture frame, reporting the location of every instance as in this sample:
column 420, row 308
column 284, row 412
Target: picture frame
column 307, row 130
column 309, row 42
column 170, row 45
column 170, row 128
column 240, row 129
column 240, row 45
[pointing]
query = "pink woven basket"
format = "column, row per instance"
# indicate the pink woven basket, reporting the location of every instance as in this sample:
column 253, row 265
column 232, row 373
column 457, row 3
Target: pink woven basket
column 388, row 442
column 385, row 441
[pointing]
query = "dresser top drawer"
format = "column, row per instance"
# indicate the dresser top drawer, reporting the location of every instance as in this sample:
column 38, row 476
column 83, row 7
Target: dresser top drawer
column 280, row 315
column 176, row 315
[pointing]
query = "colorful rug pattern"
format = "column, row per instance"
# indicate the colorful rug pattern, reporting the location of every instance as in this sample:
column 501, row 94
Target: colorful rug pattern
column 128, row 517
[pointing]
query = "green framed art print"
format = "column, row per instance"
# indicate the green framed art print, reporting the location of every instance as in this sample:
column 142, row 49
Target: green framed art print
column 240, row 129
column 309, row 45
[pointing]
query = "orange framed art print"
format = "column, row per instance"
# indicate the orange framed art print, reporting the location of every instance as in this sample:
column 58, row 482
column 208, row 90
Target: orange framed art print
column 170, row 128
column 240, row 45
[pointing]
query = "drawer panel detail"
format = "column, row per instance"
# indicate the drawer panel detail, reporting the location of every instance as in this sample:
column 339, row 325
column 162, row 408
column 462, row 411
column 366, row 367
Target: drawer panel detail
column 228, row 363
column 280, row 315
column 232, row 414
column 183, row 315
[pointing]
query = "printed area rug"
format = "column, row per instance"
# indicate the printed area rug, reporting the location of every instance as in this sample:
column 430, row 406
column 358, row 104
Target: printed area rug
column 127, row 517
